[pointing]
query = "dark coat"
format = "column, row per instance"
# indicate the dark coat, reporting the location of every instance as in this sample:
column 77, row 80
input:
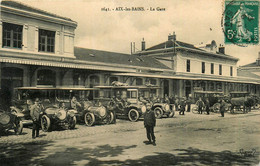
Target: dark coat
column 35, row 111
column 149, row 119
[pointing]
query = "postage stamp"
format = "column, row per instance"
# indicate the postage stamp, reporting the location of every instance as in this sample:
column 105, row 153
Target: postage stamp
column 241, row 22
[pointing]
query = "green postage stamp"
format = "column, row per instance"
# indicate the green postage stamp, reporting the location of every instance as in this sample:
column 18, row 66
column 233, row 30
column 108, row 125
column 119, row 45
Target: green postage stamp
column 241, row 22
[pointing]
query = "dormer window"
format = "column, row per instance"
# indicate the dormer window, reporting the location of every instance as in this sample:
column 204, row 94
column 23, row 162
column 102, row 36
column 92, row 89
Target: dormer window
column 12, row 35
column 46, row 40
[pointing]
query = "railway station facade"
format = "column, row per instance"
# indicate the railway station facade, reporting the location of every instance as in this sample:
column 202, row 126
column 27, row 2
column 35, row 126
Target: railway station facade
column 37, row 49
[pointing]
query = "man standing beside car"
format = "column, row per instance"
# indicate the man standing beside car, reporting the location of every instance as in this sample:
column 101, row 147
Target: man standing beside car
column 149, row 123
column 35, row 112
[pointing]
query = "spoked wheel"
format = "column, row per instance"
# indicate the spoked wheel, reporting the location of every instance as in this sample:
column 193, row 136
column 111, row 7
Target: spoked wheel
column 195, row 110
column 45, row 123
column 158, row 112
column 133, row 115
column 111, row 118
column 216, row 108
column 172, row 113
column 18, row 128
column 89, row 119
column 72, row 122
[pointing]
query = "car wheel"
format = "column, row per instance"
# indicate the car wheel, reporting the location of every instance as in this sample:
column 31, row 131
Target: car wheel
column 72, row 122
column 18, row 128
column 45, row 123
column 216, row 107
column 158, row 112
column 171, row 114
column 111, row 118
column 133, row 115
column 89, row 119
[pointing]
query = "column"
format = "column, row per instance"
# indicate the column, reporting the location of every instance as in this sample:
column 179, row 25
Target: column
column 25, row 37
column 57, row 42
column 1, row 30
column 36, row 39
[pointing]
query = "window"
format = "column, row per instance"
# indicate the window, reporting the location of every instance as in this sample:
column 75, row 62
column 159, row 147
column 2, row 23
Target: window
column 139, row 81
column 188, row 65
column 212, row 68
column 153, row 81
column 46, row 40
column 220, row 69
column 203, row 67
column 231, row 71
column 12, row 35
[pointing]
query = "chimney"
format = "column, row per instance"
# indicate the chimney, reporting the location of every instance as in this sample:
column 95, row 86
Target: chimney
column 143, row 45
column 258, row 59
column 172, row 37
column 221, row 49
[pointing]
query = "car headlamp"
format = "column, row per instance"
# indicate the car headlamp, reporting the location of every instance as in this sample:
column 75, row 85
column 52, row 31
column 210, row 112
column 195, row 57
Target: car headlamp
column 143, row 109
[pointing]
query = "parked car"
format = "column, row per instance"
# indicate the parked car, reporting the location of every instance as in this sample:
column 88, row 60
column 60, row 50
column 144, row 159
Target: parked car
column 52, row 114
column 123, row 100
column 90, row 111
column 160, row 107
column 11, row 120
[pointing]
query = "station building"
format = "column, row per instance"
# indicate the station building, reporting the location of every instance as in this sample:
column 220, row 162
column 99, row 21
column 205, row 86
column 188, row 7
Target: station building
column 37, row 49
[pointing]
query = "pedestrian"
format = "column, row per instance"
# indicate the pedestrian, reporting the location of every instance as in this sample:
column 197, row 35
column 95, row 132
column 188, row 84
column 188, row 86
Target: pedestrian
column 188, row 102
column 35, row 111
column 222, row 107
column 182, row 106
column 207, row 105
column 176, row 104
column 149, row 124
column 74, row 103
column 200, row 105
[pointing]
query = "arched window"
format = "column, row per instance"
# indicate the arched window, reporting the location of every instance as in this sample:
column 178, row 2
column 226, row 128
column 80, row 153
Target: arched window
column 94, row 81
column 46, row 77
column 112, row 79
column 139, row 81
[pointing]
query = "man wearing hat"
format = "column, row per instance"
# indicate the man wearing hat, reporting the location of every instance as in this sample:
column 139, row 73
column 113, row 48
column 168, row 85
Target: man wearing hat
column 149, row 123
column 35, row 111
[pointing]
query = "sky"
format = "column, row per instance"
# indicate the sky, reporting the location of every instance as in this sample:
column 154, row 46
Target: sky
column 192, row 21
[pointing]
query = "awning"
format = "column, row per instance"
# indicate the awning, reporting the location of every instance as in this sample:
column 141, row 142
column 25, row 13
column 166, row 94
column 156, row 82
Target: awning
column 233, row 79
column 61, row 64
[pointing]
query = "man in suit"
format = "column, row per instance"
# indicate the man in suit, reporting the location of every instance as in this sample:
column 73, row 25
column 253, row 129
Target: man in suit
column 149, row 123
column 35, row 111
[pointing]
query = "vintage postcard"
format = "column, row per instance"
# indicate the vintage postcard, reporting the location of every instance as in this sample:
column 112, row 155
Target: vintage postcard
column 129, row 82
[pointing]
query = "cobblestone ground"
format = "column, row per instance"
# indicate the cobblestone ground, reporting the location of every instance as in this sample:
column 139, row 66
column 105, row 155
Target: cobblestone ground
column 192, row 139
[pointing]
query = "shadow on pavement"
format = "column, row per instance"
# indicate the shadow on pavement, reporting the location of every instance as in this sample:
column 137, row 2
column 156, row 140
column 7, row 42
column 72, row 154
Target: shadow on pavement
column 32, row 154
column 21, row 153
column 188, row 156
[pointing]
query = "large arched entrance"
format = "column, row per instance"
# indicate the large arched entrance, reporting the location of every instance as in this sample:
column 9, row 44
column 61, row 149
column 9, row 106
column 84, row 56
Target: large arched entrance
column 46, row 77
column 11, row 77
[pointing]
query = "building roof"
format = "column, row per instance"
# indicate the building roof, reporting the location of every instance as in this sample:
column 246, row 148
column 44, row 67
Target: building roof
column 25, row 7
column 116, row 58
column 250, row 65
column 183, row 45
column 246, row 73
column 169, row 44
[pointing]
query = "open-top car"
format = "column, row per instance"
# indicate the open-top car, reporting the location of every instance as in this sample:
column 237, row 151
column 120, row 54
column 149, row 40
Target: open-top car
column 148, row 92
column 90, row 111
column 123, row 100
column 53, row 115
column 11, row 120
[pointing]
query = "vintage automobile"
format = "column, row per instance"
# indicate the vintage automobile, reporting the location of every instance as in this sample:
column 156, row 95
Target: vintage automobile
column 123, row 100
column 52, row 114
column 90, row 111
column 214, row 100
column 160, row 108
column 11, row 120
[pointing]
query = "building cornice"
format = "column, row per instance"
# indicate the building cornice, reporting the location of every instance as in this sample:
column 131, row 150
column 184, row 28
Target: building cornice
column 38, row 16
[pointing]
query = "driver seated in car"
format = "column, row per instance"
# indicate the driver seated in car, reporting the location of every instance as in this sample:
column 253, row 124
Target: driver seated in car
column 74, row 103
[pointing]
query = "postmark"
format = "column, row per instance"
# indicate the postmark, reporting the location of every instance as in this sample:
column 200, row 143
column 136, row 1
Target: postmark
column 240, row 22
